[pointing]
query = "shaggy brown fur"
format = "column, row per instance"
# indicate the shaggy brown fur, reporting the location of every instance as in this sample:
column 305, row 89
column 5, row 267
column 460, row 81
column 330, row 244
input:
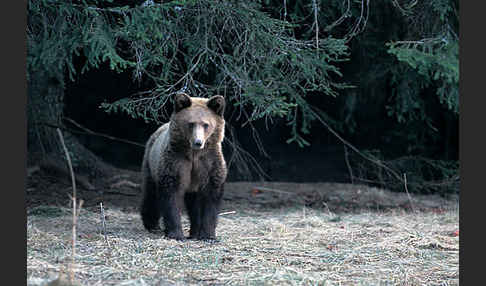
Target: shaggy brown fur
column 183, row 162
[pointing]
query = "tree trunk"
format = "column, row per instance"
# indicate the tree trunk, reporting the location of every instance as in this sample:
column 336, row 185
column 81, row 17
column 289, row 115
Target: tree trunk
column 45, row 112
column 44, row 106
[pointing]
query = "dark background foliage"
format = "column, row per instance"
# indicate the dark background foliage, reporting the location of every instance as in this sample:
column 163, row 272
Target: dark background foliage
column 345, row 91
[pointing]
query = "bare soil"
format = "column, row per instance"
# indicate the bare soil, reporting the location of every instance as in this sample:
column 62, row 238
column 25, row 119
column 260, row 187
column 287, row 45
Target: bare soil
column 123, row 191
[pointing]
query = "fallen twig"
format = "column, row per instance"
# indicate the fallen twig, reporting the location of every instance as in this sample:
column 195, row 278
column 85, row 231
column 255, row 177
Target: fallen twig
column 273, row 190
column 119, row 193
column 124, row 183
column 226, row 213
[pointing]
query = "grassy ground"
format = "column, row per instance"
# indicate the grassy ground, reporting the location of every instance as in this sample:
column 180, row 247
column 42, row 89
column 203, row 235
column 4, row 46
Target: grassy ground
column 286, row 244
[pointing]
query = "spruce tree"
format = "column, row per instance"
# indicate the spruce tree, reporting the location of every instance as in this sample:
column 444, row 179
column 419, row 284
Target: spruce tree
column 270, row 59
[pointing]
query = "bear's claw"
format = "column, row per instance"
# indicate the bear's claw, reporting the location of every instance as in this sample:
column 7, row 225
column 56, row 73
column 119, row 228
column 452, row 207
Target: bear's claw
column 176, row 236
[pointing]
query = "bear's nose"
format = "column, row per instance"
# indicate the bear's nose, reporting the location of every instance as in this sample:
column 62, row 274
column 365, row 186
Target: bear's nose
column 198, row 143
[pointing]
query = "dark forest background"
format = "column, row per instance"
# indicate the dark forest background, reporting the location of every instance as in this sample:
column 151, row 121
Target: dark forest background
column 336, row 91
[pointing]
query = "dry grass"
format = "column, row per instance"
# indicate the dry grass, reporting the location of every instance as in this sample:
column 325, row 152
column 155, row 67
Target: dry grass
column 279, row 246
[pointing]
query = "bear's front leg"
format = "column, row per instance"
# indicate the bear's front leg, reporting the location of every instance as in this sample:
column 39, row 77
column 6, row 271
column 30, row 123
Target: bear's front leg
column 170, row 200
column 210, row 202
column 193, row 206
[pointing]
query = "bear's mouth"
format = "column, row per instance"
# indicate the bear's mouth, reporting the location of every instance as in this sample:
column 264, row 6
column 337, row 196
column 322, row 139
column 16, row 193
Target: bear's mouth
column 197, row 145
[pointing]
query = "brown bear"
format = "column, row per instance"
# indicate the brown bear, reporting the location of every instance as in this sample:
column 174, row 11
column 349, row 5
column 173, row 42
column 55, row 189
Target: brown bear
column 184, row 163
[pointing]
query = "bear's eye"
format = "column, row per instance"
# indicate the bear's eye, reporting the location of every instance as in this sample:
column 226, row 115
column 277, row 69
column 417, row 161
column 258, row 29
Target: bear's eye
column 206, row 126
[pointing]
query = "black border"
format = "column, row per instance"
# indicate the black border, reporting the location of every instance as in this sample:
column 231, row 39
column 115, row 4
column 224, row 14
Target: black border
column 471, row 140
column 14, row 141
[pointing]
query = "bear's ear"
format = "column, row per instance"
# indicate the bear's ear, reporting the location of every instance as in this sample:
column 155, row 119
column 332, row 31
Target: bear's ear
column 217, row 104
column 181, row 101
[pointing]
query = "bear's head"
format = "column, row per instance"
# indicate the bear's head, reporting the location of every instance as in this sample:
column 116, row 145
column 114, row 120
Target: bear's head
column 199, row 121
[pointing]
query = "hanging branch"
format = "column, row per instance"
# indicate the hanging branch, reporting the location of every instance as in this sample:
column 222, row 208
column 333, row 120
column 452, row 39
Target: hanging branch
column 346, row 159
column 358, row 26
column 346, row 143
column 285, row 9
column 341, row 19
column 88, row 131
column 316, row 23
